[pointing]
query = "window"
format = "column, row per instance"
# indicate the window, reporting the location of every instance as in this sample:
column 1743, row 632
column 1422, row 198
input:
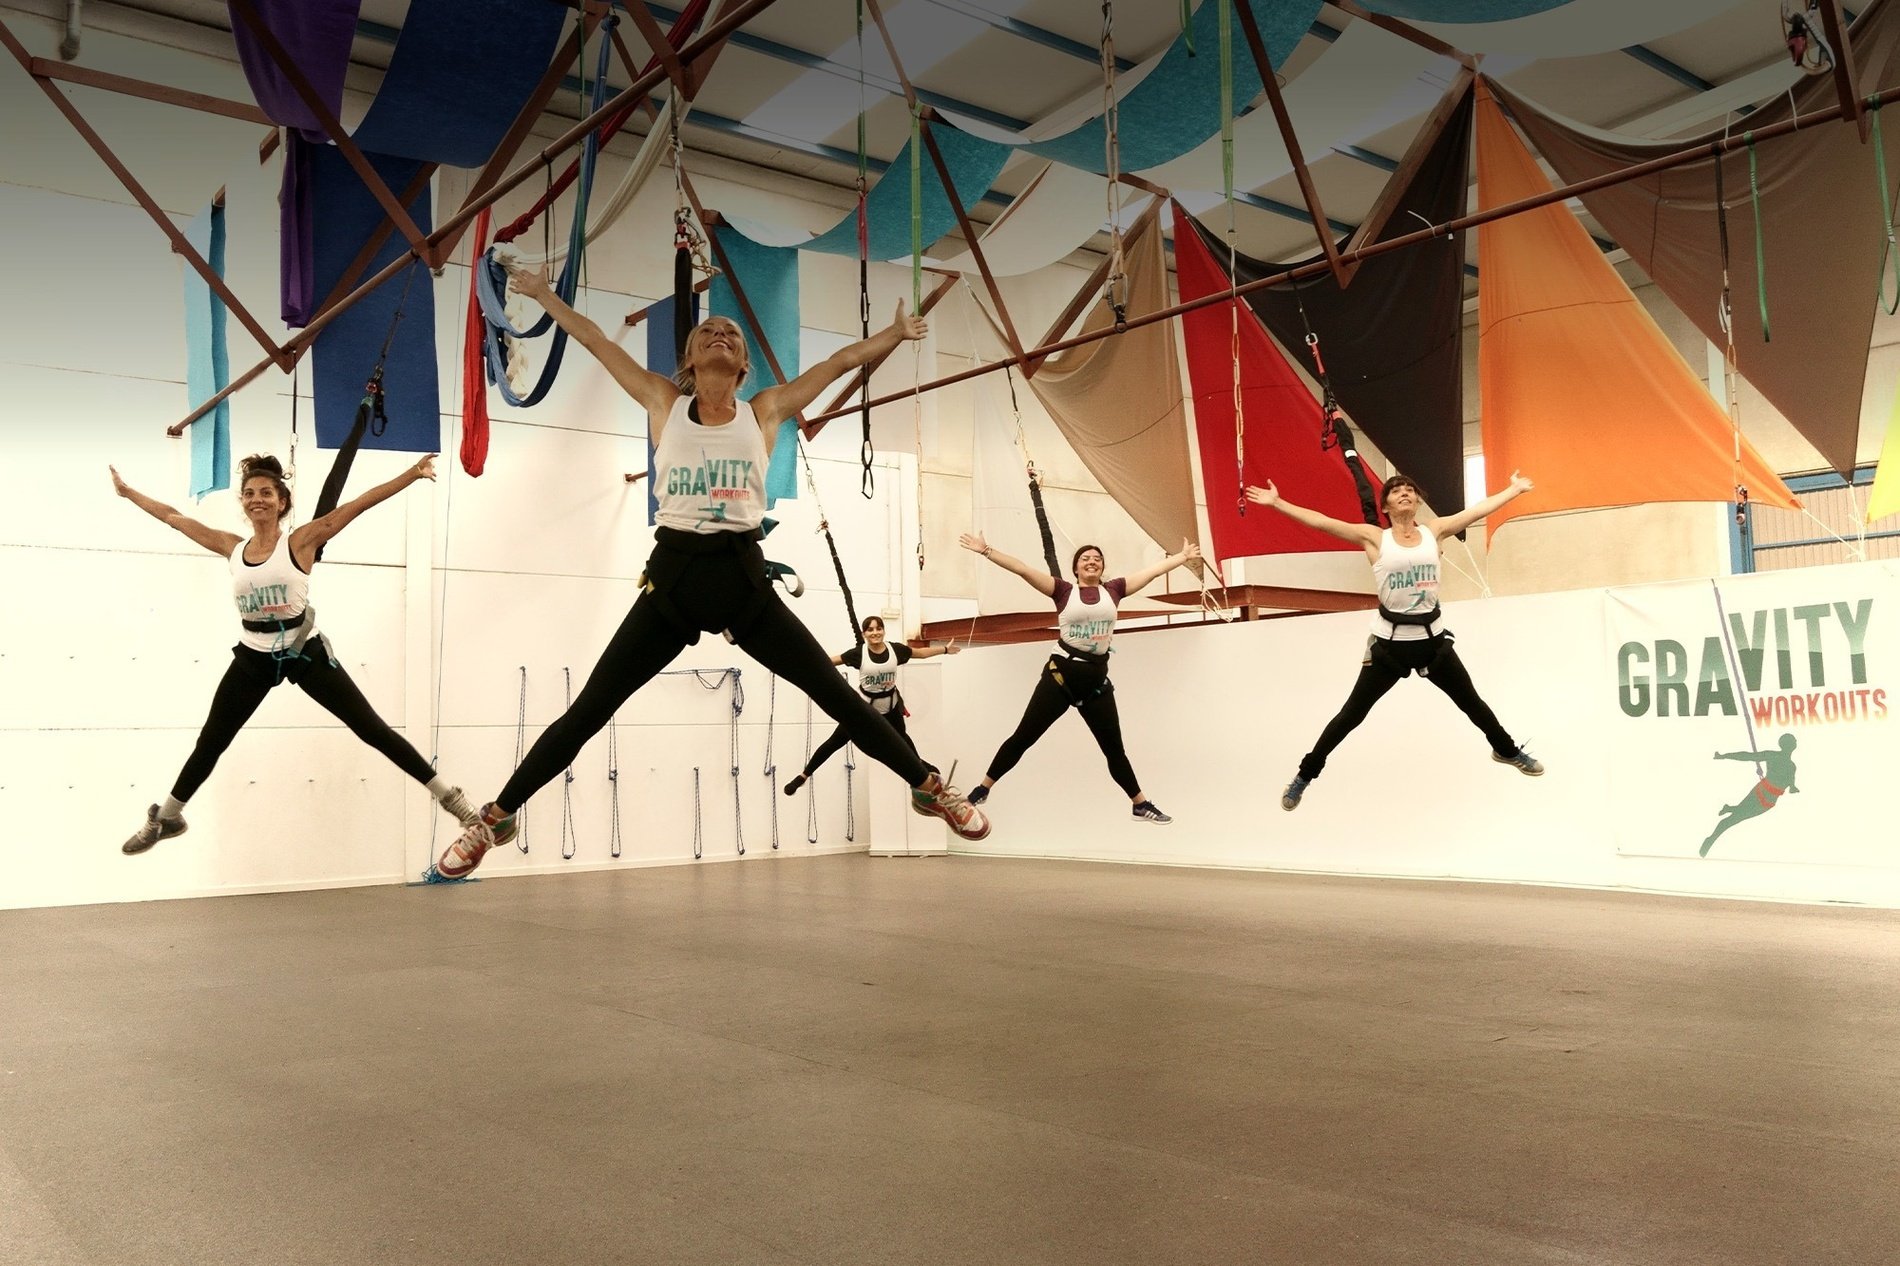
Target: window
column 1827, row 530
column 1474, row 479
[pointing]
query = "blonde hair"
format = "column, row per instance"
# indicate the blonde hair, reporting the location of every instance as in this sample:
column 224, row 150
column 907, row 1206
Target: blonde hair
column 687, row 378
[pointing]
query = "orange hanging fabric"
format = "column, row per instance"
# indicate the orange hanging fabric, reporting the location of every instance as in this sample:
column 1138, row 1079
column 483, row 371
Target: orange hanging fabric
column 1581, row 390
column 475, row 366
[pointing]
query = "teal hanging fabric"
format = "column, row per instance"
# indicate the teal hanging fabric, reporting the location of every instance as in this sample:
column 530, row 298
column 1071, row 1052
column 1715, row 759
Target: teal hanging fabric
column 1177, row 106
column 207, row 363
column 974, row 164
column 1461, row 10
column 769, row 276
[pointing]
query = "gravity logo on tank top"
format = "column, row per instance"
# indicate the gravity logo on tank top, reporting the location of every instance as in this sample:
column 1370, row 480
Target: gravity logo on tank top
column 1422, row 579
column 723, row 482
column 264, row 598
column 1092, row 632
column 875, row 681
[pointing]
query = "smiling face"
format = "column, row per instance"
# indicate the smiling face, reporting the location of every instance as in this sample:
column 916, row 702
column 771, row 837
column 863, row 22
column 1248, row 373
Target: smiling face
column 1400, row 497
column 263, row 500
column 715, row 344
column 874, row 634
column 1089, row 564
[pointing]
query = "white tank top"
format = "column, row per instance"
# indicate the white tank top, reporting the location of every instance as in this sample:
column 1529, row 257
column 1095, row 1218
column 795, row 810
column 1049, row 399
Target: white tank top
column 710, row 478
column 275, row 589
column 1407, row 579
column 1085, row 618
column 878, row 678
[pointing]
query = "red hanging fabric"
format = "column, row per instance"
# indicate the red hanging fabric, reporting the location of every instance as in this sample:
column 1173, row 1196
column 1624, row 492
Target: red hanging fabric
column 1283, row 422
column 475, row 366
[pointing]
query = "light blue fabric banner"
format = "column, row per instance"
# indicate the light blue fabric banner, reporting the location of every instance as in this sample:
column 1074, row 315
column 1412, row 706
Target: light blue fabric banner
column 207, row 360
column 769, row 275
column 1177, row 107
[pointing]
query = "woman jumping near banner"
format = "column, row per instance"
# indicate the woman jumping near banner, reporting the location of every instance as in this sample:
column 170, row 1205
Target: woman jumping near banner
column 706, row 573
column 1408, row 633
column 270, row 576
column 1077, row 675
column 876, row 663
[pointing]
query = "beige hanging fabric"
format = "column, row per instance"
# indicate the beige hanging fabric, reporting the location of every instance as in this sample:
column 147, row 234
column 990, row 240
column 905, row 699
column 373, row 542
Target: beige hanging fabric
column 1119, row 402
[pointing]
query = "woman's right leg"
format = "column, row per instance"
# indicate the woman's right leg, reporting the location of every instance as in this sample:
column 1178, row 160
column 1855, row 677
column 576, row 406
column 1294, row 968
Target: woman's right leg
column 826, row 750
column 1376, row 676
column 236, row 701
column 645, row 643
column 1047, row 703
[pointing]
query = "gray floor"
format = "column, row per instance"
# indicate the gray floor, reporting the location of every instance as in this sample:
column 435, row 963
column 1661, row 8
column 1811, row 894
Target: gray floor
column 948, row 1061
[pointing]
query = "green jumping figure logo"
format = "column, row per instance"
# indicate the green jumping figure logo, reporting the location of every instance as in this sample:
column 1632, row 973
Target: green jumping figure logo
column 1777, row 779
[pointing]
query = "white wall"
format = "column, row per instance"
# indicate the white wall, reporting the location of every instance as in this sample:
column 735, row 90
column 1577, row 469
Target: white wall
column 1217, row 719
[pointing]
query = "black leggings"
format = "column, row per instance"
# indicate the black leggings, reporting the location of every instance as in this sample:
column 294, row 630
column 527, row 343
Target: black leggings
column 1086, row 688
column 254, row 674
column 717, row 592
column 1387, row 663
column 840, row 736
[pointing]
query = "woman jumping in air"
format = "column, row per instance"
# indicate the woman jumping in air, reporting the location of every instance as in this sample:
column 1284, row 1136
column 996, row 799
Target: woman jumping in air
column 706, row 573
column 270, row 579
column 876, row 664
column 1076, row 676
column 1408, row 632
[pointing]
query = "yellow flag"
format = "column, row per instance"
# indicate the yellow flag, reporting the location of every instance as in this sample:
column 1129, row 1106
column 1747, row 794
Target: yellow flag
column 1886, row 495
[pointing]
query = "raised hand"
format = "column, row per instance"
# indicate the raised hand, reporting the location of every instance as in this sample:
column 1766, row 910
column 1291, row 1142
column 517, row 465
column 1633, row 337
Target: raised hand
column 974, row 542
column 953, row 649
column 119, row 485
column 424, row 469
column 1519, row 483
column 532, row 282
column 908, row 327
column 1267, row 496
column 1190, row 551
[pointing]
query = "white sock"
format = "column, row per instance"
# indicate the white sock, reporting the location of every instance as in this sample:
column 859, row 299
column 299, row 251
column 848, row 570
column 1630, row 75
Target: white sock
column 171, row 807
column 440, row 786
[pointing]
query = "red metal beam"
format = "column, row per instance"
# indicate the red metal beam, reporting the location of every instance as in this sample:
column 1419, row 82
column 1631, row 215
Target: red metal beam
column 275, row 355
column 41, row 68
column 970, row 238
column 1406, row 31
column 1846, row 77
column 663, row 50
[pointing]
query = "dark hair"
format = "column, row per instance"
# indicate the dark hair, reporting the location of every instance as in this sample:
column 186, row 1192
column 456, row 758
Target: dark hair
column 1077, row 556
column 1399, row 481
column 268, row 467
column 865, row 623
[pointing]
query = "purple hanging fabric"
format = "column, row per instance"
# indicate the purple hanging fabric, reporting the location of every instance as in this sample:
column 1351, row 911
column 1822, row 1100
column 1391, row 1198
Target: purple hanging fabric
column 317, row 34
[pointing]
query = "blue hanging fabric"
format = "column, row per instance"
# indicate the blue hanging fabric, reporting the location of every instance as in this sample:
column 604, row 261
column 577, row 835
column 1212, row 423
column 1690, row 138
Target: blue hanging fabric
column 491, row 278
column 207, row 364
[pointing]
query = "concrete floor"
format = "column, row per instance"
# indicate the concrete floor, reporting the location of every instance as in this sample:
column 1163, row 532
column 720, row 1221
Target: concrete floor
column 849, row 1060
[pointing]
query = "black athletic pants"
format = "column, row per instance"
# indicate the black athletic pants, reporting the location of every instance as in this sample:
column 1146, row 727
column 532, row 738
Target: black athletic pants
column 710, row 591
column 1387, row 663
column 254, row 674
column 840, row 736
column 1066, row 683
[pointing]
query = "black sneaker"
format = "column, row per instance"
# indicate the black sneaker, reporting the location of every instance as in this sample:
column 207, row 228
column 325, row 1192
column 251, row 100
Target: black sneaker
column 154, row 830
column 791, row 788
column 1149, row 811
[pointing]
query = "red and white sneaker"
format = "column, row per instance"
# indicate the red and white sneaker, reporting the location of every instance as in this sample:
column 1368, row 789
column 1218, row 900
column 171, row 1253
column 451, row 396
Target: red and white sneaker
column 946, row 802
column 490, row 828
